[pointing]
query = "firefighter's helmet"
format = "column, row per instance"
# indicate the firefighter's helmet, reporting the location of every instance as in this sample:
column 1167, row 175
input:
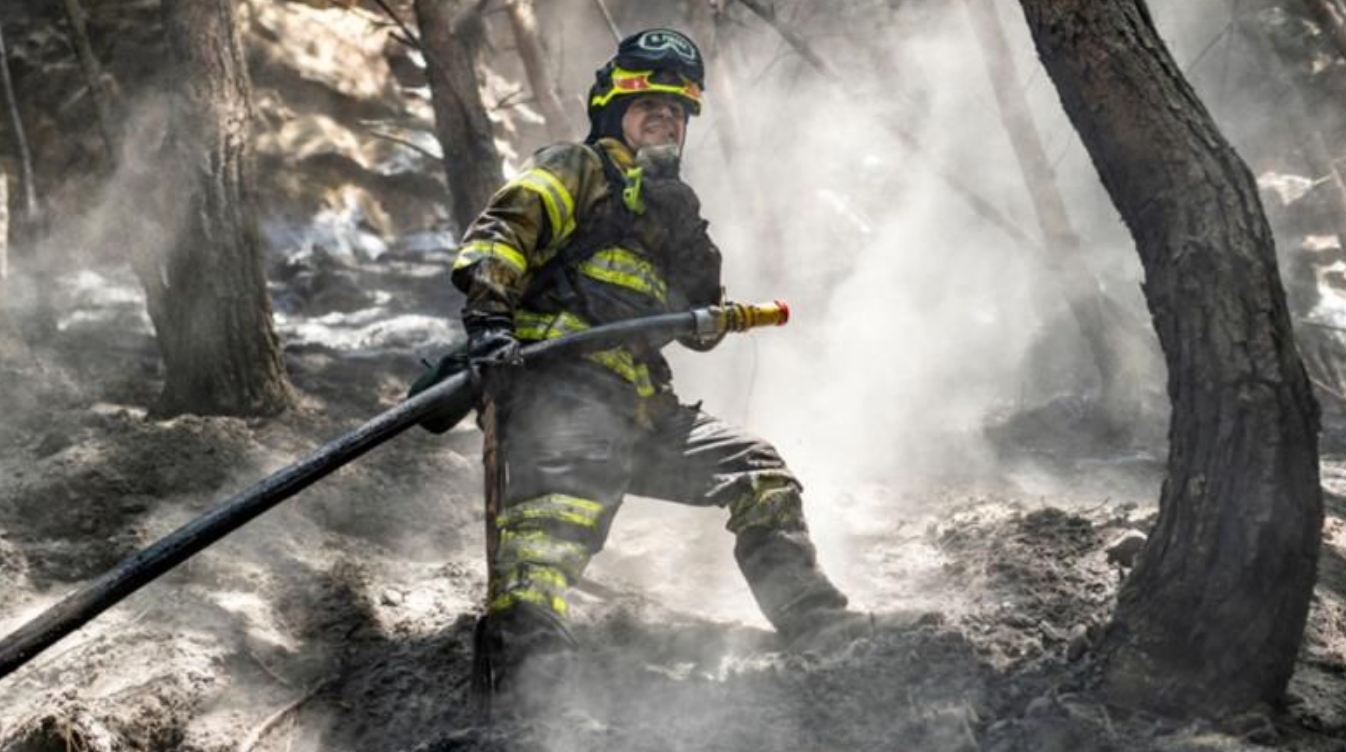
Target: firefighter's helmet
column 654, row 61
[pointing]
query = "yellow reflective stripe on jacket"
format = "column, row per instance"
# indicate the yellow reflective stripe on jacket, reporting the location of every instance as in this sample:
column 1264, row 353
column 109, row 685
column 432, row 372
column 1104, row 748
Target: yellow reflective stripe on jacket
column 539, row 326
column 570, row 509
column 628, row 269
column 530, row 325
column 477, row 250
column 559, row 203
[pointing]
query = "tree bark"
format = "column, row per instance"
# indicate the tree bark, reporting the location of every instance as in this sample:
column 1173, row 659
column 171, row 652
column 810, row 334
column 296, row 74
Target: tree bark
column 1213, row 615
column 523, row 18
column 1063, row 251
column 471, row 162
column 208, row 299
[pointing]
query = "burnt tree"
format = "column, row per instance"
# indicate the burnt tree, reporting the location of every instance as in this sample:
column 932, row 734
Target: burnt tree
column 207, row 294
column 471, row 162
column 1213, row 615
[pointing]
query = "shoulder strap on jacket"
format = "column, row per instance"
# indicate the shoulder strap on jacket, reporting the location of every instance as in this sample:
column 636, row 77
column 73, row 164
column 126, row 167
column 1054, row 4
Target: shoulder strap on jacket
column 589, row 240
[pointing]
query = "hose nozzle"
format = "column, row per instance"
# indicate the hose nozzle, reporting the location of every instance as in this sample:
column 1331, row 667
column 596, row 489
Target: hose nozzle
column 739, row 317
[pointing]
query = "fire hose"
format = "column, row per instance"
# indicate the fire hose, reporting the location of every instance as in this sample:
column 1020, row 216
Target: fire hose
column 448, row 402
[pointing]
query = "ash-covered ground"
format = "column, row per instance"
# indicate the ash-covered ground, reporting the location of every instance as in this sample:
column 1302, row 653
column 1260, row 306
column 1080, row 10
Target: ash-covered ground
column 342, row 620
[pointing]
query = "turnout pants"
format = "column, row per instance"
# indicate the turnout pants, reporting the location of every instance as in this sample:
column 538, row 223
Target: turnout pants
column 571, row 452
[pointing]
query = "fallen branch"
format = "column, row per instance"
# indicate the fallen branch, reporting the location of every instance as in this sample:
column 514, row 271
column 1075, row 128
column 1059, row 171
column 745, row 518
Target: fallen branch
column 255, row 736
column 403, row 142
column 1333, row 392
column 984, row 208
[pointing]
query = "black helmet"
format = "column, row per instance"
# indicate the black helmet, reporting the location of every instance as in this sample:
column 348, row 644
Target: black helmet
column 647, row 62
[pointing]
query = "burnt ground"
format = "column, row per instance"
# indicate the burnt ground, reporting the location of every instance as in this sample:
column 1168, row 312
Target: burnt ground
column 342, row 620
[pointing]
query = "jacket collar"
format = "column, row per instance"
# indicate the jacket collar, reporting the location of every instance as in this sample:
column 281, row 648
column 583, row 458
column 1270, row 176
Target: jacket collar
column 620, row 153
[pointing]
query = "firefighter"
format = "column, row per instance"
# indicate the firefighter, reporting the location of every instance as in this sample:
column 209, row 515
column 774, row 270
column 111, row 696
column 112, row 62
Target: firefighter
column 590, row 234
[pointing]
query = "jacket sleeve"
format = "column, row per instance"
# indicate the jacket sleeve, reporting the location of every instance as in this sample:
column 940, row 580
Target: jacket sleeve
column 699, row 278
column 526, row 221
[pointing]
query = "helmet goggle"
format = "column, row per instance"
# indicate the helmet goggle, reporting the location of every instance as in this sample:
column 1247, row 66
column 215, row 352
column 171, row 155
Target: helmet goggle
column 627, row 82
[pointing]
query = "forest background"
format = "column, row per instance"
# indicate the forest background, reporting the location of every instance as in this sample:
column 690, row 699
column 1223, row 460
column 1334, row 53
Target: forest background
column 971, row 396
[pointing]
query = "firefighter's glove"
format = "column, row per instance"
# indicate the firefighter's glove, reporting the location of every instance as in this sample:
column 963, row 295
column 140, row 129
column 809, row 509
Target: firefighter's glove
column 492, row 349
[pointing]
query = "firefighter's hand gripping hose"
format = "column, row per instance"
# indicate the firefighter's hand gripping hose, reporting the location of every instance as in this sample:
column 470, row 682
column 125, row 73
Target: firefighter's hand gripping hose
column 451, row 398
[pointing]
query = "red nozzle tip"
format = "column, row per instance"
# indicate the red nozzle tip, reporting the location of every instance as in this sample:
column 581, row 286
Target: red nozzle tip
column 785, row 312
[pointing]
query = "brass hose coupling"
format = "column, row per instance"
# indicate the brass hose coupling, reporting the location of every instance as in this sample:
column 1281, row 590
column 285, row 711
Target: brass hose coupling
column 714, row 321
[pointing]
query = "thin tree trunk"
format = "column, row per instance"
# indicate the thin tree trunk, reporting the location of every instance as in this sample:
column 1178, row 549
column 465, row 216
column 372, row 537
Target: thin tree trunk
column 1213, row 615
column 523, row 18
column 31, row 209
column 1063, row 251
column 208, row 300
column 4, row 225
column 471, row 161
column 1331, row 16
column 93, row 77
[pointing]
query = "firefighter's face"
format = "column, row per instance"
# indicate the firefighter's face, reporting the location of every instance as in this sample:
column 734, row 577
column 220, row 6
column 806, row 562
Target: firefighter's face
column 654, row 120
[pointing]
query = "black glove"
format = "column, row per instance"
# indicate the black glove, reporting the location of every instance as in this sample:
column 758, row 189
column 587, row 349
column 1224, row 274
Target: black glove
column 490, row 340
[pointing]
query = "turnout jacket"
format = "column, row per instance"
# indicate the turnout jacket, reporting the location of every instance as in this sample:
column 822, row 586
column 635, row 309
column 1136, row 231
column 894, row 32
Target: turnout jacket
column 587, row 235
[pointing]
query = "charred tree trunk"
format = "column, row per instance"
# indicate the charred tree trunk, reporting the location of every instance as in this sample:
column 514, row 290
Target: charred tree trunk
column 1213, row 615
column 208, row 298
column 523, row 18
column 1063, row 250
column 471, row 162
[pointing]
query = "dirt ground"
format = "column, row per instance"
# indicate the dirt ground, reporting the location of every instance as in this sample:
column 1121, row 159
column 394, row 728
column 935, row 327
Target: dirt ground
column 342, row 620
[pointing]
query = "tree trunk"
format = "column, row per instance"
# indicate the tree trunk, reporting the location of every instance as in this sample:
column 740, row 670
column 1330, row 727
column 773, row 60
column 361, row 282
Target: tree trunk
column 208, row 299
column 93, row 76
column 1213, row 615
column 523, row 17
column 1063, row 251
column 471, row 162
column 31, row 210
